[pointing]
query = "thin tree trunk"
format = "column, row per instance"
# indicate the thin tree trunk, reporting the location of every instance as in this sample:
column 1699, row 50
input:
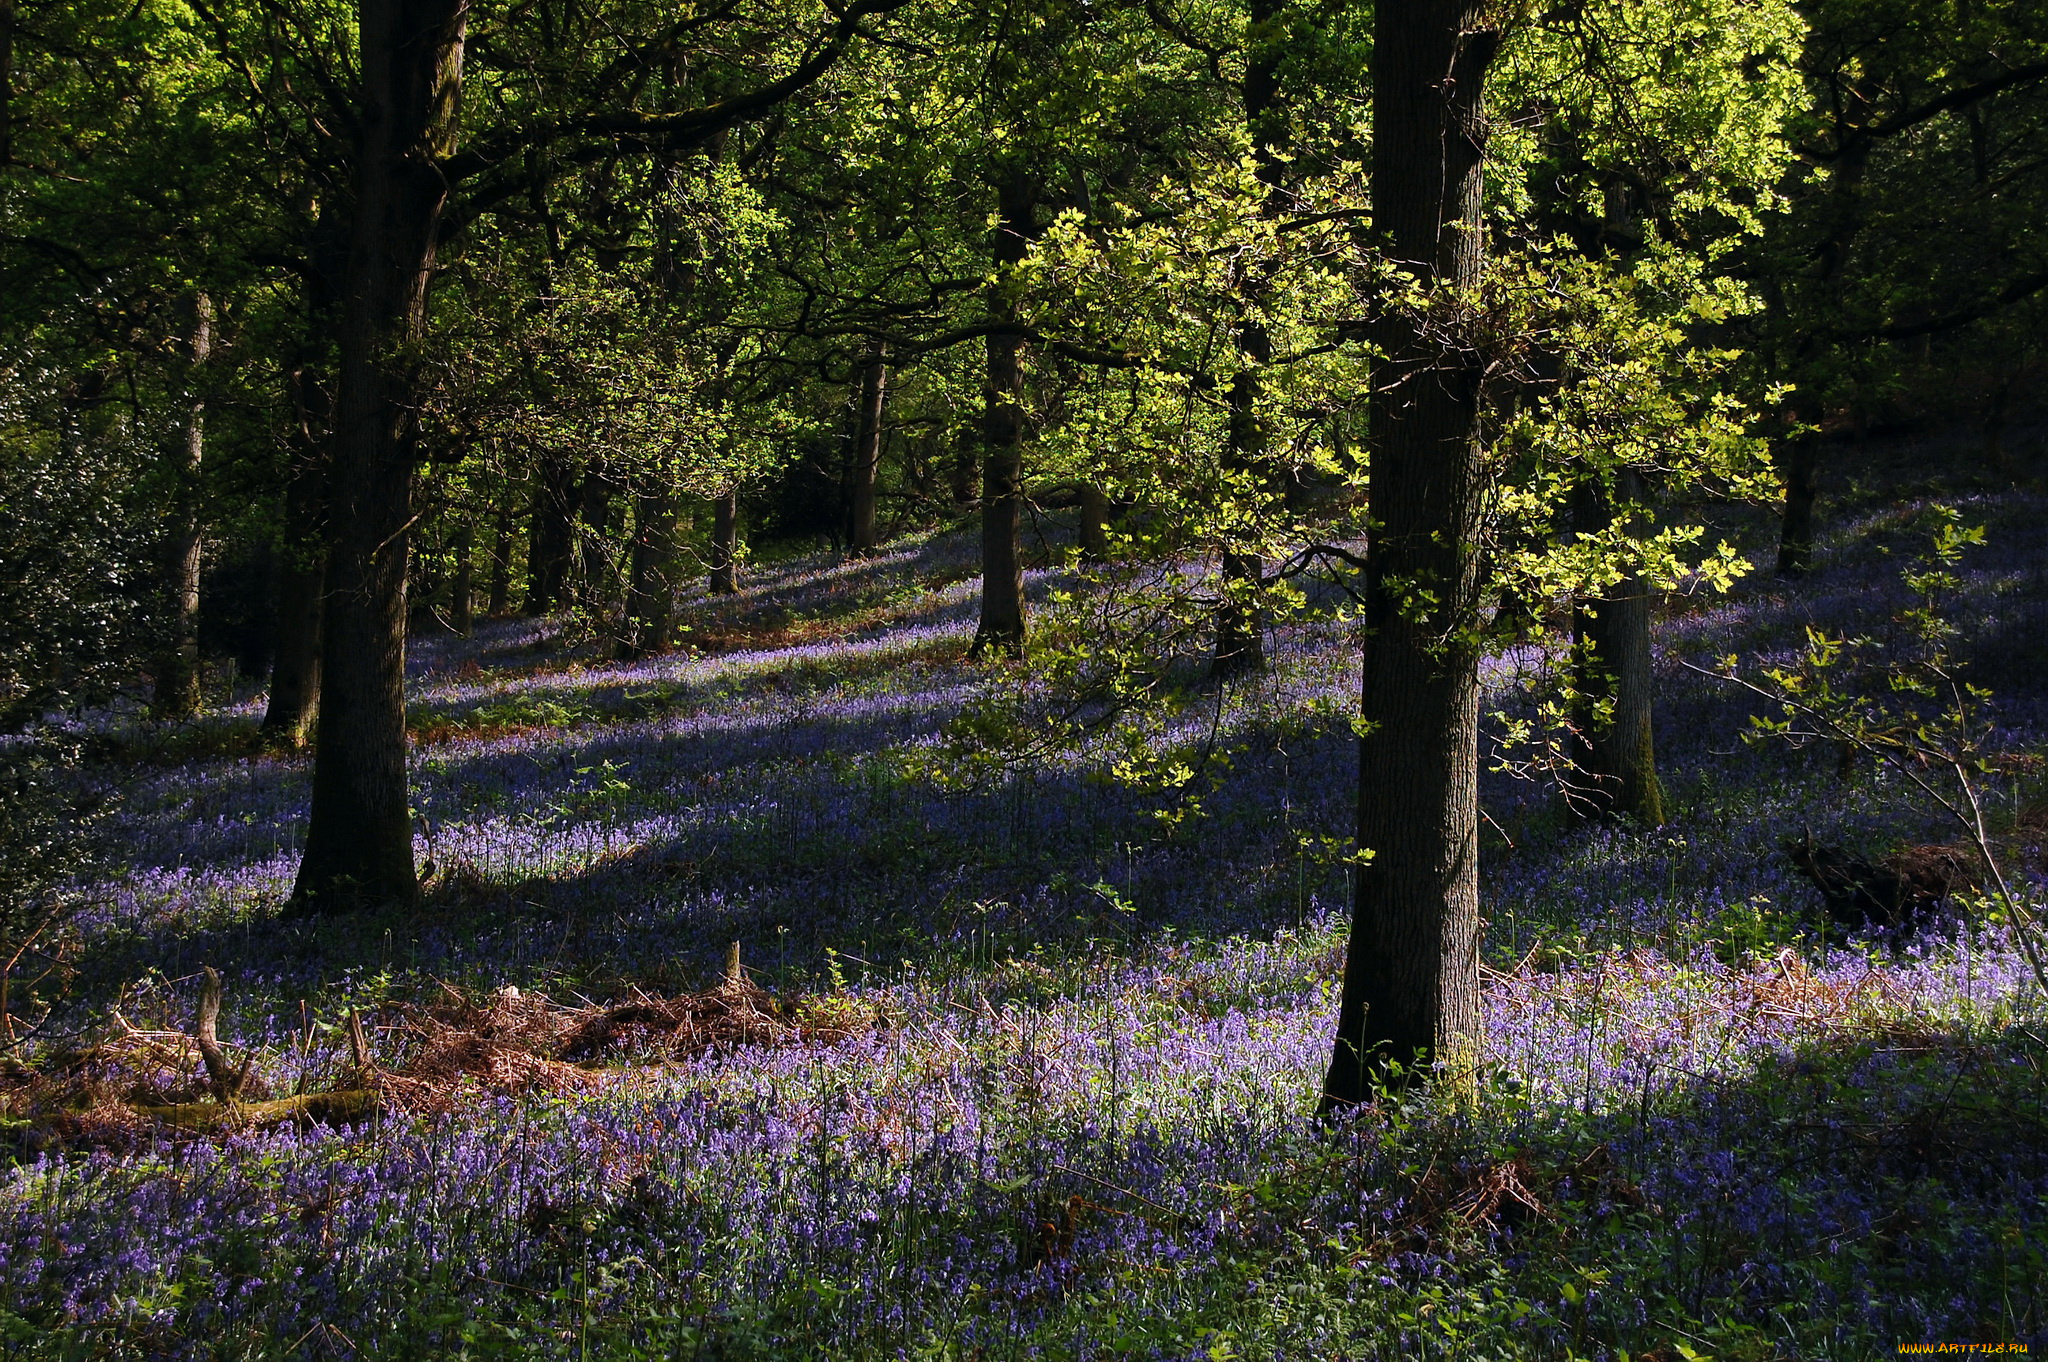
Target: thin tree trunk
column 1240, row 623
column 964, row 476
column 1411, row 971
column 359, row 842
column 1801, row 468
column 423, row 584
column 1617, row 754
column 7, row 23
column 1996, row 417
column 594, row 512
column 177, row 666
column 725, row 542
column 498, row 597
column 553, row 536
column 301, row 585
column 1240, row 619
column 294, row 701
column 650, row 600
column 867, row 453
column 1002, row 473
column 461, row 591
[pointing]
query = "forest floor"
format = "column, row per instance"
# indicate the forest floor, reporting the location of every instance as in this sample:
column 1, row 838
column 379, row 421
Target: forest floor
column 1024, row 1064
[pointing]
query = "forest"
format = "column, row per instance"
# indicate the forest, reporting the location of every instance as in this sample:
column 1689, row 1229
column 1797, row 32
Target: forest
column 996, row 679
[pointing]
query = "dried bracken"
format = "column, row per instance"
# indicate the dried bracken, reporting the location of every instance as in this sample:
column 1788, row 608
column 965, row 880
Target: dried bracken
column 434, row 1055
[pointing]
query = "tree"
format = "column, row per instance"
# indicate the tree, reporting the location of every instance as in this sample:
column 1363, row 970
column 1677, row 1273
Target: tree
column 359, row 838
column 867, row 451
column 1917, row 212
column 177, row 662
column 406, row 166
column 1411, row 972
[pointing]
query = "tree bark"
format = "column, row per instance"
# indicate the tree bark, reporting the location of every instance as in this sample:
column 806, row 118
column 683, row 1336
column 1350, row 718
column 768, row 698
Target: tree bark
column 301, row 586
column 1240, row 619
column 294, row 701
column 1411, row 973
column 462, row 590
column 650, row 600
column 552, row 538
column 594, row 511
column 359, row 843
column 1002, row 474
column 1617, row 754
column 177, row 666
column 1802, row 486
column 498, row 595
column 867, row 454
column 1094, row 524
column 725, row 542
column 964, row 476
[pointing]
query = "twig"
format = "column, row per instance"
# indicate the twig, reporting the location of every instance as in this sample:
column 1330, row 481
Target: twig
column 1896, row 753
column 227, row 1085
column 359, row 1047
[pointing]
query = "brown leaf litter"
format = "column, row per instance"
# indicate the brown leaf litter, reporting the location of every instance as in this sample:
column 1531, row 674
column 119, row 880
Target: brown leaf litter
column 404, row 1058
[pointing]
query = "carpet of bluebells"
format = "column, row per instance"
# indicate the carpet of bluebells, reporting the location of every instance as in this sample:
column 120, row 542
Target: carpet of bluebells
column 1084, row 1127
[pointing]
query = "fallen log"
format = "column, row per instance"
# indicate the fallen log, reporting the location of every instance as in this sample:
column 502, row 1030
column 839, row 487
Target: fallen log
column 331, row 1108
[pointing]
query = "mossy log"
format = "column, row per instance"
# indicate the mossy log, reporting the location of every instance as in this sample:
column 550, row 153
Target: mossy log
column 333, row 1108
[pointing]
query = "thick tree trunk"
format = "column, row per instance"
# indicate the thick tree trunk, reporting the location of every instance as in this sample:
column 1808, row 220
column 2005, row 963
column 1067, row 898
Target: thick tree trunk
column 498, row 595
column 359, row 844
column 1617, row 754
column 1002, row 473
column 1801, row 470
column 867, row 454
column 1240, row 619
column 1411, row 972
column 177, row 665
column 650, row 599
column 725, row 542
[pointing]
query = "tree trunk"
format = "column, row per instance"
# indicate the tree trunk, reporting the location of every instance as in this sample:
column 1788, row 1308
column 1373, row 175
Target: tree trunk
column 301, row 584
column 423, row 584
column 1002, row 473
column 1240, row 619
column 1997, row 412
column 359, row 844
column 498, row 595
column 964, row 476
column 594, row 503
column 650, row 600
column 1802, row 484
column 1411, row 973
column 1617, row 754
column 177, row 666
column 867, row 454
column 1240, row 622
column 461, row 591
column 552, row 538
column 302, row 561
column 1094, row 524
column 725, row 542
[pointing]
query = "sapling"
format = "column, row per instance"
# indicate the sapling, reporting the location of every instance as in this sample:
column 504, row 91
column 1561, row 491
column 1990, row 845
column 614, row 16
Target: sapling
column 1921, row 718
